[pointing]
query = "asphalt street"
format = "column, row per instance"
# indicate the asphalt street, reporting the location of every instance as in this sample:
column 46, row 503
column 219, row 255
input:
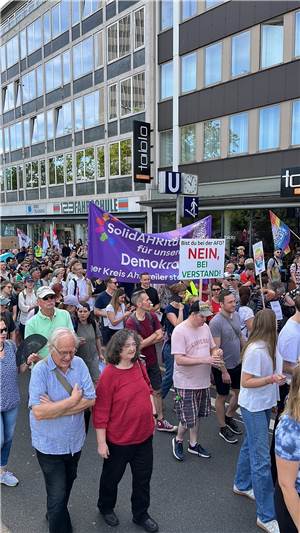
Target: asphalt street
column 194, row 496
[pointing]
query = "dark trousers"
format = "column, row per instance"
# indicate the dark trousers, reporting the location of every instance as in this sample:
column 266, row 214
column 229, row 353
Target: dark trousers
column 283, row 392
column 286, row 524
column 59, row 471
column 140, row 458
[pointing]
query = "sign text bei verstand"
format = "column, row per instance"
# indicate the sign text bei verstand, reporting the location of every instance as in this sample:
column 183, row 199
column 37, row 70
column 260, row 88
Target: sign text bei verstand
column 201, row 258
column 259, row 260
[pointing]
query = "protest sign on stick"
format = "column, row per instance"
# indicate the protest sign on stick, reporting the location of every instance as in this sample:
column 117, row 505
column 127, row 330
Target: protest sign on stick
column 201, row 259
column 259, row 263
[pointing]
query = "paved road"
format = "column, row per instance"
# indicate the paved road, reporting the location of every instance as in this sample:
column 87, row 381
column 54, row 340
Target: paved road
column 194, row 496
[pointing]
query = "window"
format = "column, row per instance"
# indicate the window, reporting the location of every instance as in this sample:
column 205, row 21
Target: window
column 56, row 170
column 98, row 45
column 53, row 73
column 50, row 125
column 8, row 98
column 1, row 142
column 269, row 127
column 47, row 27
column 3, row 58
column 272, row 42
column 11, row 182
column 20, row 176
column 64, row 120
column 78, row 114
column 213, row 3
column 112, row 101
column 16, row 140
column 28, row 87
column 138, row 93
column 26, row 132
column 297, row 34
column 12, row 51
column 83, row 58
column 23, row 44
column 124, row 36
column 90, row 6
column 212, row 139
column 296, row 123
column 91, row 109
column 34, row 36
column 42, row 169
column 166, row 14
column 38, row 130
column 125, row 90
column 31, row 175
column 112, row 42
column 60, row 18
column 100, row 162
column 238, row 134
column 39, row 81
column 166, row 148
column 66, row 67
column 18, row 93
column 69, row 167
column 188, row 143
column 240, row 54
column 213, row 63
column 166, row 80
column 85, row 164
column 188, row 9
column 189, row 72
column 6, row 140
column 139, row 39
column 75, row 11
column 126, row 157
column 120, row 158
column 118, row 39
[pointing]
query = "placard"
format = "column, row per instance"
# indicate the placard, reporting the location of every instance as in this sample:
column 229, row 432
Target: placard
column 201, row 258
column 259, row 259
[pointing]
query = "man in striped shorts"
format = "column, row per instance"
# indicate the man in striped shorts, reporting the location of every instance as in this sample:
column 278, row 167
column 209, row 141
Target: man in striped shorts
column 194, row 351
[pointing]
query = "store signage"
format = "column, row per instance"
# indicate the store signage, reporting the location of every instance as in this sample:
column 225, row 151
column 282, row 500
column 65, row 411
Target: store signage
column 190, row 206
column 169, row 182
column 201, row 258
column 36, row 209
column 81, row 207
column 141, row 151
column 290, row 182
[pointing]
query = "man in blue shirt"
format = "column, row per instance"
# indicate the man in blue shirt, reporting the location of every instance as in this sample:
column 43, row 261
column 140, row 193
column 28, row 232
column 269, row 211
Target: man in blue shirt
column 60, row 390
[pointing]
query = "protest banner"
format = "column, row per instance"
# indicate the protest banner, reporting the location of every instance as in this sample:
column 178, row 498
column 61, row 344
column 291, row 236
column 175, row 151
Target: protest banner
column 201, row 258
column 115, row 249
column 259, row 260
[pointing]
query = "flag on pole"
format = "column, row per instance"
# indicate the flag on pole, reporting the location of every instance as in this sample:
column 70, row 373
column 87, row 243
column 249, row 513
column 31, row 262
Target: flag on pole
column 24, row 240
column 55, row 241
column 281, row 233
column 45, row 245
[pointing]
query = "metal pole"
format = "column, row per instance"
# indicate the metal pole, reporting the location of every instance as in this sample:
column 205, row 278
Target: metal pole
column 178, row 217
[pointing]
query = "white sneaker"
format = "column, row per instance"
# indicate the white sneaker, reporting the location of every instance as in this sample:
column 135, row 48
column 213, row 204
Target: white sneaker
column 270, row 527
column 7, row 478
column 248, row 493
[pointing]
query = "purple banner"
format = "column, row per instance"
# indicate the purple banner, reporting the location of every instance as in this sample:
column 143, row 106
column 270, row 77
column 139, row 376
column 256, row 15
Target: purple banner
column 117, row 250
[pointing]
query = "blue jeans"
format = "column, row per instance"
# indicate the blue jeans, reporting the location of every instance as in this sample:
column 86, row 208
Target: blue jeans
column 7, row 429
column 168, row 360
column 254, row 463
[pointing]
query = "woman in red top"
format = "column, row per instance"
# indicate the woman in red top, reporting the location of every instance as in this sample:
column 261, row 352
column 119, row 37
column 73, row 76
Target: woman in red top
column 214, row 301
column 123, row 416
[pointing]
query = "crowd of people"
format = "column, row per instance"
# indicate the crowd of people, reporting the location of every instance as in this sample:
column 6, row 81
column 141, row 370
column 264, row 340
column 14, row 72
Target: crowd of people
column 118, row 350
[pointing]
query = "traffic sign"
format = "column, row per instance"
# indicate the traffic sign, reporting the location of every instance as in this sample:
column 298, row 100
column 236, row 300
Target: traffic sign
column 190, row 206
column 170, row 182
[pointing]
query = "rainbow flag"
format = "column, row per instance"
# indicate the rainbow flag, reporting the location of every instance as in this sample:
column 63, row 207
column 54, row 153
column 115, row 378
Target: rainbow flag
column 281, row 233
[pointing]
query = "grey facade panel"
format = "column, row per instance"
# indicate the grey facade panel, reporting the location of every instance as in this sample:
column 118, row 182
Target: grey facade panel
column 126, row 124
column 119, row 67
column 2, row 197
column 33, row 58
column 50, row 146
column 139, row 58
column 12, row 71
column 32, row 194
column 23, row 64
column 38, row 149
column 60, row 41
column 82, row 189
column 96, row 19
column 17, row 155
column 226, row 19
column 56, row 192
column 248, row 166
column 26, row 153
column 165, row 46
column 63, row 142
column 29, row 107
column 83, row 83
column 67, row 90
column 111, row 10
column 120, row 185
column 69, row 189
column 99, row 76
column 55, row 96
column 94, row 134
column 43, row 193
column 260, row 89
column 3, row 77
column 12, row 196
column 78, row 138
column 100, row 186
column 75, row 32
column 8, row 116
column 18, row 112
column 165, row 115
column 125, row 4
column 39, row 102
column 112, row 128
column 140, row 186
column 21, row 196
column 47, row 49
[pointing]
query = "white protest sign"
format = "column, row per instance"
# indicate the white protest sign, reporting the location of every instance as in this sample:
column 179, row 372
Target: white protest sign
column 201, row 258
column 277, row 310
column 259, row 260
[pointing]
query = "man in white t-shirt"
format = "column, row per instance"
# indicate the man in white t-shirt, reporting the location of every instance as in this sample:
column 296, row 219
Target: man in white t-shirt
column 194, row 352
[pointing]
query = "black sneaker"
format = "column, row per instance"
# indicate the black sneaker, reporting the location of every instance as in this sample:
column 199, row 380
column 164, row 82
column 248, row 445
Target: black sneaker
column 177, row 448
column 231, row 424
column 198, row 450
column 227, row 435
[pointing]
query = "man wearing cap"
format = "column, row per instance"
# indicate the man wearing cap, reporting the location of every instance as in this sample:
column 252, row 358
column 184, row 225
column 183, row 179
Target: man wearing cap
column 47, row 319
column 274, row 266
column 194, row 351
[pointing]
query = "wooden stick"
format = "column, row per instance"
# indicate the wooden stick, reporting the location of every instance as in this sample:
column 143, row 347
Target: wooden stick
column 200, row 289
column 261, row 288
column 294, row 234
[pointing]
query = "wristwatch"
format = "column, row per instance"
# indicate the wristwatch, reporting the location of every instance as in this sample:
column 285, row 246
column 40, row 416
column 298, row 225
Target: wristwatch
column 155, row 415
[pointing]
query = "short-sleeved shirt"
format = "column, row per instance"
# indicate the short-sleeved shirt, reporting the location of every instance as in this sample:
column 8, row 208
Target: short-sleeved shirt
column 245, row 313
column 65, row 434
column 274, row 265
column 228, row 330
column 102, row 302
column 88, row 350
column 44, row 325
column 192, row 342
column 257, row 362
column 295, row 269
column 288, row 345
column 151, row 292
column 145, row 328
column 287, row 442
column 118, row 314
column 170, row 309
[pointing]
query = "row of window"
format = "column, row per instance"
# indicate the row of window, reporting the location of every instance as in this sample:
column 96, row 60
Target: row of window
column 56, row 21
column 126, row 97
column 89, row 164
column 238, row 135
column 271, row 53
column 188, row 8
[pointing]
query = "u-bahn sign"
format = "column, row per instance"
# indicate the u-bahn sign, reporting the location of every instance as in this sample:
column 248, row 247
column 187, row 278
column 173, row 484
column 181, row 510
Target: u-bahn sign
column 290, row 182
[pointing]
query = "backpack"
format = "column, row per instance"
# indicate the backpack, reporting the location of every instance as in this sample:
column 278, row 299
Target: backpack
column 75, row 286
column 138, row 324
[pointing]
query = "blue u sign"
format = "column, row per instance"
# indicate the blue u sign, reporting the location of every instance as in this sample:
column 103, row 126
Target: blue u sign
column 173, row 182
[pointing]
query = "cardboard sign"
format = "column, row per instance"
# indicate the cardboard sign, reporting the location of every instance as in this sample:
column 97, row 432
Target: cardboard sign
column 259, row 259
column 201, row 258
column 8, row 243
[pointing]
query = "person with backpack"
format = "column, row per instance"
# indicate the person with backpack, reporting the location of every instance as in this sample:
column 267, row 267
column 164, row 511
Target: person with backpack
column 79, row 286
column 89, row 334
column 274, row 266
column 148, row 327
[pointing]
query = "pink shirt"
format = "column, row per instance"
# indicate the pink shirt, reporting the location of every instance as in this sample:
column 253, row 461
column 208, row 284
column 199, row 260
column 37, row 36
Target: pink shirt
column 193, row 342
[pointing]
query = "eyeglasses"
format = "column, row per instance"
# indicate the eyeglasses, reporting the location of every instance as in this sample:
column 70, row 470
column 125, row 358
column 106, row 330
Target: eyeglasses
column 216, row 290
column 3, row 330
column 65, row 354
column 48, row 297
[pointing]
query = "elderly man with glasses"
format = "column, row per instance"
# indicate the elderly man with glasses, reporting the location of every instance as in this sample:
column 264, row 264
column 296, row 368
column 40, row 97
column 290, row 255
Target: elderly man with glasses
column 59, row 392
column 47, row 319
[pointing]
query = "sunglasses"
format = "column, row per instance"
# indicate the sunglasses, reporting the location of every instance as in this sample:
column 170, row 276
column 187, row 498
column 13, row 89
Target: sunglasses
column 216, row 290
column 48, row 297
column 4, row 330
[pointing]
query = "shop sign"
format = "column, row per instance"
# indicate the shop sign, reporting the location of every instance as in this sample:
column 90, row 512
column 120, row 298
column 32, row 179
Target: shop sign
column 141, row 151
column 80, row 207
column 201, row 259
column 290, row 182
column 36, row 209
